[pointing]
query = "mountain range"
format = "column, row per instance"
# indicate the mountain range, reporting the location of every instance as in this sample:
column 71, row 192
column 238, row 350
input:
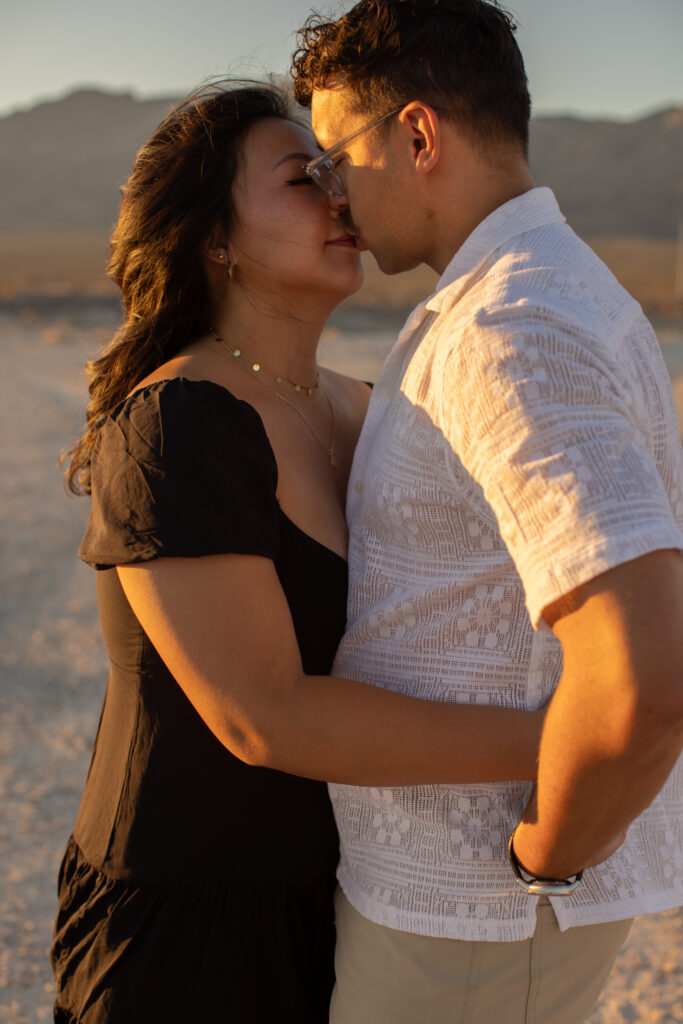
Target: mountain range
column 62, row 163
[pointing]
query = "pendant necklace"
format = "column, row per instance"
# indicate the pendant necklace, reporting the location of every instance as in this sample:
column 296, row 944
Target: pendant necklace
column 254, row 370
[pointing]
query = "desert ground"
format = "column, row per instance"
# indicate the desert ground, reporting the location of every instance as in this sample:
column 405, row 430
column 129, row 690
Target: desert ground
column 54, row 666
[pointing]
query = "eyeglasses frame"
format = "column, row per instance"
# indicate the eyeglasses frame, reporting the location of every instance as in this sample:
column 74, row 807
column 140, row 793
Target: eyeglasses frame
column 324, row 160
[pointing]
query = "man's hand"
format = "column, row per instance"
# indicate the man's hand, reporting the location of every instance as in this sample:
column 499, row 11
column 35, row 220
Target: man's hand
column 527, row 856
column 614, row 728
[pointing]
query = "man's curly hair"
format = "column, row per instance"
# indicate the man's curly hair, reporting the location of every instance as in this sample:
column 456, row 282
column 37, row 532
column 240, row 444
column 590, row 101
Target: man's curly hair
column 460, row 56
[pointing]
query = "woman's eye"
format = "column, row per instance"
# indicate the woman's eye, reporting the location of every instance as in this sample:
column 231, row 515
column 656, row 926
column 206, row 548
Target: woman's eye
column 301, row 181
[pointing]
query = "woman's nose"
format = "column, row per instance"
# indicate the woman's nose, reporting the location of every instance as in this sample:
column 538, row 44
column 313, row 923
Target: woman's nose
column 338, row 205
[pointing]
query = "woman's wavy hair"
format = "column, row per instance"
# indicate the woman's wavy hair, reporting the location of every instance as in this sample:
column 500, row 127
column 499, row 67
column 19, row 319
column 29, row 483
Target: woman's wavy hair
column 460, row 56
column 180, row 189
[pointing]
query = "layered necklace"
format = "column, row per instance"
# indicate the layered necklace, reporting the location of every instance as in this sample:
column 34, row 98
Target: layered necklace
column 256, row 370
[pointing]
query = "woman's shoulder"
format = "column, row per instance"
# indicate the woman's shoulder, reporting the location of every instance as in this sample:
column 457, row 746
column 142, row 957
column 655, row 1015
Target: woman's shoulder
column 178, row 391
column 181, row 468
column 182, row 403
column 180, row 421
column 354, row 394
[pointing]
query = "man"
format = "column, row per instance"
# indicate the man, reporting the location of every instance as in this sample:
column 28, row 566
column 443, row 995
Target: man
column 516, row 514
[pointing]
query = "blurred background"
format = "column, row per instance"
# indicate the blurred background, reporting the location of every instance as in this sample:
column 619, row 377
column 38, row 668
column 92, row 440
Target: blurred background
column 81, row 87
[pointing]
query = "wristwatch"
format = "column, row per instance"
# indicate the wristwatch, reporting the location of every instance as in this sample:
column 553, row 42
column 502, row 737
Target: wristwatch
column 540, row 886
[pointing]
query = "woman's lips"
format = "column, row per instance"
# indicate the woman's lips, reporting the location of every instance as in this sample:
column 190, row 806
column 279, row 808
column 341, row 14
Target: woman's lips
column 347, row 241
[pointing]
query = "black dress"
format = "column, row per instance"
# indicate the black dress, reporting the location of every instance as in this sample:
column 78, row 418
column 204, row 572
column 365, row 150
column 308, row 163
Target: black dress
column 194, row 887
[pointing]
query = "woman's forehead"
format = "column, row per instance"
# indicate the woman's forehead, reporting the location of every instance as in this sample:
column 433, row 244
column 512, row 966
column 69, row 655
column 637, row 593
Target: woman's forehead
column 272, row 139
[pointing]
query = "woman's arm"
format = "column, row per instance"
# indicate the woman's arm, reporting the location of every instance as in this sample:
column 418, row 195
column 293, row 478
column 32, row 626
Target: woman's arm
column 223, row 628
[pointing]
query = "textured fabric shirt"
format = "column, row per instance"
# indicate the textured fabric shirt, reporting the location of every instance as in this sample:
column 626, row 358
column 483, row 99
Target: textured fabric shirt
column 521, row 439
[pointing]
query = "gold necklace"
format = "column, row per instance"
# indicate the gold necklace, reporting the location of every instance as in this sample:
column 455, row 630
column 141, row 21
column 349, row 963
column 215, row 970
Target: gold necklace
column 257, row 367
column 253, row 371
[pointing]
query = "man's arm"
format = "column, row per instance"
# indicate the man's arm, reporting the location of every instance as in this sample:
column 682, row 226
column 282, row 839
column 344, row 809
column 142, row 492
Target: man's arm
column 614, row 728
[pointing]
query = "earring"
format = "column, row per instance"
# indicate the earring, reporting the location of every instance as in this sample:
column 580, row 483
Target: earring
column 223, row 256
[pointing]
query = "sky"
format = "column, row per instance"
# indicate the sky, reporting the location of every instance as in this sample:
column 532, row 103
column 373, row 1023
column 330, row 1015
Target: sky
column 596, row 58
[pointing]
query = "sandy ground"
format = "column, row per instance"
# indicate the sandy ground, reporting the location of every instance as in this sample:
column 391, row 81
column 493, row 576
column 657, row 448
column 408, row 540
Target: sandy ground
column 53, row 666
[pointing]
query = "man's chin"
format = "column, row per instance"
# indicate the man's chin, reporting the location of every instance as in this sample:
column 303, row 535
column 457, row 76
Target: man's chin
column 394, row 263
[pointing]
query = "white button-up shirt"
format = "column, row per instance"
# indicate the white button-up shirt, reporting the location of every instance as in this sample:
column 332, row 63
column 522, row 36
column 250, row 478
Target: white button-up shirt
column 521, row 439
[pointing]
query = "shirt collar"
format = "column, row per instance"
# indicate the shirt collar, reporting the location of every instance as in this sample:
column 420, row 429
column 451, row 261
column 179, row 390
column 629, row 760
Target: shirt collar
column 533, row 209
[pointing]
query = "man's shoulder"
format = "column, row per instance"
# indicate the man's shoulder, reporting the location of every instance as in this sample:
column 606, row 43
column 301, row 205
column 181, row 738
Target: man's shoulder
column 552, row 263
column 549, row 275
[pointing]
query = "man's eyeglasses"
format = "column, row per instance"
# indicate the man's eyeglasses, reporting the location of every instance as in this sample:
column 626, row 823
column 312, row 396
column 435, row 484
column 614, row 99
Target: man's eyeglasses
column 321, row 170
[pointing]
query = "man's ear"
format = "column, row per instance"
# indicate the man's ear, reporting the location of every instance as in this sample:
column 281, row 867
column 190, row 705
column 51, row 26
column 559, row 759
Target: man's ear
column 425, row 130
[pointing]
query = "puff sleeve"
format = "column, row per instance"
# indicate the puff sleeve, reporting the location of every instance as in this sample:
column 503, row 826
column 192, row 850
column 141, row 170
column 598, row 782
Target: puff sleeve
column 182, row 468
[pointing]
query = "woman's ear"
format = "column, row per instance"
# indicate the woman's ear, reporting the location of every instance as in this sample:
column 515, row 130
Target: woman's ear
column 422, row 121
column 215, row 249
column 215, row 255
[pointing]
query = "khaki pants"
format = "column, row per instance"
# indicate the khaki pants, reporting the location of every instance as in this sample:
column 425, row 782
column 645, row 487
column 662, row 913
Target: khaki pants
column 386, row 976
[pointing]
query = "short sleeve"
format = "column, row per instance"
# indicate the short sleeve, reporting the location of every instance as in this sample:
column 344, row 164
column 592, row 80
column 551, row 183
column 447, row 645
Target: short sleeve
column 181, row 469
column 553, row 434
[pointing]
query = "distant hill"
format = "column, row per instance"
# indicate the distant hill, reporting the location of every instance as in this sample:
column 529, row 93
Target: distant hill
column 614, row 178
column 63, row 162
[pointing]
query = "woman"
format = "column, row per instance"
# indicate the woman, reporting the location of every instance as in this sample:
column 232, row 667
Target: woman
column 198, row 882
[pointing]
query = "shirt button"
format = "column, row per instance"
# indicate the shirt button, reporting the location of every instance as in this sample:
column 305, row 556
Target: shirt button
column 358, row 486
